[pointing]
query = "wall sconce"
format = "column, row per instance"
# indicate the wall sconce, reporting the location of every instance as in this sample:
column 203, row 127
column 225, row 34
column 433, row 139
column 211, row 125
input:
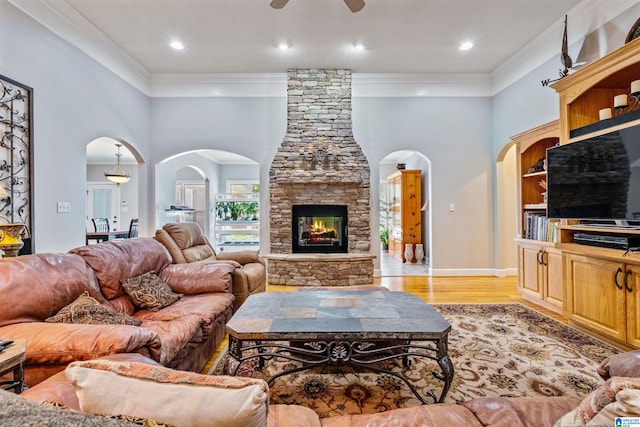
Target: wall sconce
column 319, row 157
column 118, row 175
column 10, row 234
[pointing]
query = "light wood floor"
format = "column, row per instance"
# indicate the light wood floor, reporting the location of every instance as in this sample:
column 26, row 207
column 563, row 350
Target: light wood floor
column 441, row 290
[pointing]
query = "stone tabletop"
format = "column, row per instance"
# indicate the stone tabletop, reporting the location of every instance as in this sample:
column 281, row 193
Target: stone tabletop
column 331, row 314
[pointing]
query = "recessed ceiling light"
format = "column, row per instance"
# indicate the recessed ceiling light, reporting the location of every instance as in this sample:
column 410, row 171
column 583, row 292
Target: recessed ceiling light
column 283, row 46
column 176, row 45
column 466, row 46
column 359, row 46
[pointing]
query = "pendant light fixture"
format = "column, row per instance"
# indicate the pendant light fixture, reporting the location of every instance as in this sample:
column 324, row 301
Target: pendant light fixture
column 118, row 175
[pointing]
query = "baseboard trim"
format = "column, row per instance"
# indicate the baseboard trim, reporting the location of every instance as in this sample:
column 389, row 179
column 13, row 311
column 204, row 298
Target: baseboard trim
column 473, row 272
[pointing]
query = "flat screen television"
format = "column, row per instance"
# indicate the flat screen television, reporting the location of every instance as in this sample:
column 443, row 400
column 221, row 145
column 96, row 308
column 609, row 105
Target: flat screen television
column 596, row 178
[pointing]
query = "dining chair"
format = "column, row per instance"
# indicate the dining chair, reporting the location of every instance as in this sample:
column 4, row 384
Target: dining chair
column 101, row 225
column 133, row 228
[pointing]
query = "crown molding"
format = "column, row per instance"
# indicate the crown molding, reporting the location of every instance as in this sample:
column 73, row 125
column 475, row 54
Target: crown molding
column 586, row 17
column 420, row 85
column 63, row 20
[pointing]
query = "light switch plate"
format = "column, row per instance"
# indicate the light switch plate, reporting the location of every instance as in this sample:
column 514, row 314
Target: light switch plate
column 64, row 207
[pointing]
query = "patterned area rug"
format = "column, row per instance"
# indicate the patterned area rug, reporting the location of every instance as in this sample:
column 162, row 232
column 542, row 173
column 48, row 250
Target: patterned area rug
column 497, row 350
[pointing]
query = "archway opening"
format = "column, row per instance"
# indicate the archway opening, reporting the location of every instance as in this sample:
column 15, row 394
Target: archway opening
column 391, row 227
column 218, row 190
column 120, row 204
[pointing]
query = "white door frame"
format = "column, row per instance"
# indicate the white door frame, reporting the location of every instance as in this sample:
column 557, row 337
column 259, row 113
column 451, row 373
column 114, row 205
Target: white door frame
column 114, row 215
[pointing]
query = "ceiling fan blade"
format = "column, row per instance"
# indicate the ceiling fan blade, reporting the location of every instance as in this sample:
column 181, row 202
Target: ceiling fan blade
column 354, row 5
column 278, row 4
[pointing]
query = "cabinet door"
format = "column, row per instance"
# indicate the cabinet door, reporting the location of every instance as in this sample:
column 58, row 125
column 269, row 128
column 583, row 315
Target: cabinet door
column 633, row 305
column 531, row 271
column 554, row 286
column 594, row 299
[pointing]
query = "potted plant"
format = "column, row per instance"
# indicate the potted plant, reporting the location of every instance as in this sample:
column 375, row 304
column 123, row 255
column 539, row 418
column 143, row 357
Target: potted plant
column 384, row 238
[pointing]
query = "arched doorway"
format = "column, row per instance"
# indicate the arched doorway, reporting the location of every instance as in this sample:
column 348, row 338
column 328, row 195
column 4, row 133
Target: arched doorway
column 106, row 199
column 411, row 159
column 506, row 211
column 226, row 185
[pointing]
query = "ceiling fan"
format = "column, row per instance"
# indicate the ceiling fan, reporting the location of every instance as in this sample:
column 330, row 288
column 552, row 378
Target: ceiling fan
column 353, row 5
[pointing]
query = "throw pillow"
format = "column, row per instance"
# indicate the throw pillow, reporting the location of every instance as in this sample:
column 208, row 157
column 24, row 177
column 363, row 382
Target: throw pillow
column 87, row 310
column 597, row 400
column 627, row 404
column 167, row 395
column 150, row 291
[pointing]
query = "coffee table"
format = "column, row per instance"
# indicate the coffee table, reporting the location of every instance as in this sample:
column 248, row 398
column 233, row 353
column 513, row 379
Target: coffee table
column 356, row 328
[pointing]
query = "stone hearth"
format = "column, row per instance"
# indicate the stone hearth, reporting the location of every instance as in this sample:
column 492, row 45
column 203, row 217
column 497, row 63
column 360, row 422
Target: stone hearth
column 319, row 106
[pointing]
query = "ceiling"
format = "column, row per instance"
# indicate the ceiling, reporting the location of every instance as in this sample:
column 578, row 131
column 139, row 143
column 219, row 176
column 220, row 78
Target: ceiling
column 241, row 37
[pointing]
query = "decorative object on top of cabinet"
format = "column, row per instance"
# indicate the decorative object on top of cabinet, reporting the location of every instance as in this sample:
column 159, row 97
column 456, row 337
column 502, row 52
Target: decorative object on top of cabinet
column 565, row 59
column 593, row 87
column 405, row 217
column 634, row 32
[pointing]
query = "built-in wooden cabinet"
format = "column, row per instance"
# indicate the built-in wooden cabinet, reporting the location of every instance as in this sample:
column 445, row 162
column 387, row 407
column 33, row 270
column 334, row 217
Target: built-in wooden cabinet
column 532, row 151
column 405, row 219
column 601, row 285
column 603, row 294
column 540, row 275
column 539, row 263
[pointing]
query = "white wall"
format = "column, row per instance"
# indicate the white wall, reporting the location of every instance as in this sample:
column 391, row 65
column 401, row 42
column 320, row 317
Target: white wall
column 75, row 101
column 455, row 135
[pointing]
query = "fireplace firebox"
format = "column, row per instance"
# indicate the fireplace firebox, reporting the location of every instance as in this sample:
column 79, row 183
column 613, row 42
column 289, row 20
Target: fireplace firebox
column 319, row 229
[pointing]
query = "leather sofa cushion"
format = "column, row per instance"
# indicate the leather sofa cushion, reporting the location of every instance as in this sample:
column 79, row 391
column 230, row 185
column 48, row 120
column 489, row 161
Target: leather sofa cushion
column 625, row 364
column 256, row 275
column 174, row 334
column 118, row 260
column 528, row 412
column 199, row 278
column 47, row 282
column 60, row 343
column 292, row 415
column 442, row 414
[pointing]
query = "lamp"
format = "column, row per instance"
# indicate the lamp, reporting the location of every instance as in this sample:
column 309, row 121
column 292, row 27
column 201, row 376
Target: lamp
column 10, row 234
column 118, row 175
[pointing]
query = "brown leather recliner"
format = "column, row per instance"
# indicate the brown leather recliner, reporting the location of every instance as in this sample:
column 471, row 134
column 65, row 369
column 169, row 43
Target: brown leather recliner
column 187, row 242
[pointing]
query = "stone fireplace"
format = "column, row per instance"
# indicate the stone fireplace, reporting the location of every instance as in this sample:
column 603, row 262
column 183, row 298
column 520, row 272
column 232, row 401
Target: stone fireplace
column 319, row 112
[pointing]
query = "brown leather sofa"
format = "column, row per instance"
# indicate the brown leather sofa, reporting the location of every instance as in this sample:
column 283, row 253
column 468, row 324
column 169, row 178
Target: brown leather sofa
column 182, row 335
column 187, row 243
column 480, row 412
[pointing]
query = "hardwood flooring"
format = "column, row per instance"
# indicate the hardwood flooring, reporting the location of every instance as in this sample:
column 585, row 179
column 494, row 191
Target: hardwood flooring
column 441, row 290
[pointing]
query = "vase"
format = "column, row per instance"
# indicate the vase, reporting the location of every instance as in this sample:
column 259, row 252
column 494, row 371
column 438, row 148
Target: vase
column 408, row 252
column 419, row 252
column 11, row 239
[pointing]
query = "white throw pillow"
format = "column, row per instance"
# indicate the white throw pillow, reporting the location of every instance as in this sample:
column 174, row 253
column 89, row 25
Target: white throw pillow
column 185, row 399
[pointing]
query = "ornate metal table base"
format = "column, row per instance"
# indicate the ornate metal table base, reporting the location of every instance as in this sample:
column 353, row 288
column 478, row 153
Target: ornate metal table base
column 363, row 354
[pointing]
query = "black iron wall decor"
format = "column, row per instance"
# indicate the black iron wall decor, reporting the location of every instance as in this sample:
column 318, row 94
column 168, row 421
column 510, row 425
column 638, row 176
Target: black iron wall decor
column 16, row 157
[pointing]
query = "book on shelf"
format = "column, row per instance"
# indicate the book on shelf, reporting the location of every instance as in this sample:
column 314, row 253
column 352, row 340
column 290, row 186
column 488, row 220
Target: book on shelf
column 539, row 227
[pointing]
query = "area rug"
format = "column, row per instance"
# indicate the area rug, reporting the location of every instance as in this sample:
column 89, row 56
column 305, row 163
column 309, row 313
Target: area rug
column 505, row 350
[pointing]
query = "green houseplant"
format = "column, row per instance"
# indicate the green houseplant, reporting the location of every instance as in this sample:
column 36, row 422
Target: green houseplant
column 384, row 238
